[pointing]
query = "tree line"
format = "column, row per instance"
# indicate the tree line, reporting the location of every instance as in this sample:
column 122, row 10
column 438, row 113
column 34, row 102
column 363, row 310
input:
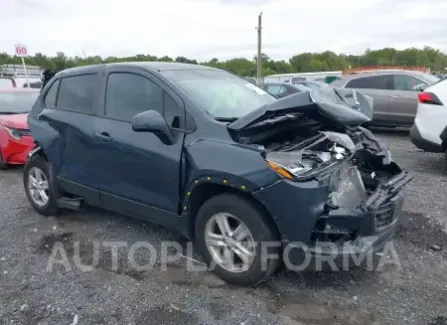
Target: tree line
column 427, row 57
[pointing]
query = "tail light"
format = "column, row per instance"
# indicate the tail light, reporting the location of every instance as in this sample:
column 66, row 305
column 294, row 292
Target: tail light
column 429, row 98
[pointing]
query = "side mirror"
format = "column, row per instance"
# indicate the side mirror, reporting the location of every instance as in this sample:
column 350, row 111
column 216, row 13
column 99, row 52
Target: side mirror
column 152, row 121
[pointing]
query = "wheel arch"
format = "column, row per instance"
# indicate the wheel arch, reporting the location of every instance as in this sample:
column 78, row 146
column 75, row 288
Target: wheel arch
column 204, row 191
column 37, row 151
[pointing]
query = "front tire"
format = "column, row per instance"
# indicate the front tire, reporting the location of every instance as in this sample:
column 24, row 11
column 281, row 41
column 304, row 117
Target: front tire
column 230, row 232
column 38, row 186
column 3, row 165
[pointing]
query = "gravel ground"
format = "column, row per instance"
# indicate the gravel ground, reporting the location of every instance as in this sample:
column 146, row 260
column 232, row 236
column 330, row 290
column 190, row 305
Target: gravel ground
column 414, row 293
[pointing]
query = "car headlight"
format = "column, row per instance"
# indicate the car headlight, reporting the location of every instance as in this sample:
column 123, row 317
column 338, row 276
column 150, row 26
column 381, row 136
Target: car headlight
column 292, row 165
column 13, row 133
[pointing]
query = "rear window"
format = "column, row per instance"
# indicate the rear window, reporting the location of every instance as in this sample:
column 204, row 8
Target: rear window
column 17, row 102
column 77, row 93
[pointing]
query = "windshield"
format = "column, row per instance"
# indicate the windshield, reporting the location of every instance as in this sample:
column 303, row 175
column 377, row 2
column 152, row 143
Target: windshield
column 17, row 102
column 220, row 93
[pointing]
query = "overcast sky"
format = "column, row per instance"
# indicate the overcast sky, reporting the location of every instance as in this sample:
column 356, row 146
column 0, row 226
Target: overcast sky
column 203, row 29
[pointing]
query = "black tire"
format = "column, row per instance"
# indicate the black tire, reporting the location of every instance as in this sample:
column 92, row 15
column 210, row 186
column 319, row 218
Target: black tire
column 51, row 207
column 260, row 226
column 3, row 165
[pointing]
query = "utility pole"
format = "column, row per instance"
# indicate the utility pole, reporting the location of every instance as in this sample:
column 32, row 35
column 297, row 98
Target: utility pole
column 259, row 58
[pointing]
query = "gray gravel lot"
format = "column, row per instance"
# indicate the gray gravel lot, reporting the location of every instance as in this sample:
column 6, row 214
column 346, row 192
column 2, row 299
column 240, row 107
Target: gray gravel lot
column 416, row 293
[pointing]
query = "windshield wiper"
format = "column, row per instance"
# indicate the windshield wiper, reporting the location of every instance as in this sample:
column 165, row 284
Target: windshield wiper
column 226, row 119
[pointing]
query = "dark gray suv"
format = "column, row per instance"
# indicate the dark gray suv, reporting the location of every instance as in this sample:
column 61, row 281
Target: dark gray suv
column 218, row 159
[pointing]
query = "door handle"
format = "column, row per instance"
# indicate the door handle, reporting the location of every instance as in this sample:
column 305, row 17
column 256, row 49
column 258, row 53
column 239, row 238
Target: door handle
column 396, row 96
column 103, row 136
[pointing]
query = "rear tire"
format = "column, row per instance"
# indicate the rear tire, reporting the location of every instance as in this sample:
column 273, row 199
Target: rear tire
column 42, row 197
column 239, row 211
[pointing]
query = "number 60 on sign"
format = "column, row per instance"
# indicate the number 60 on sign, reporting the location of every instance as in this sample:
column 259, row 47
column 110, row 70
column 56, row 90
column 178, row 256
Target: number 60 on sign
column 20, row 50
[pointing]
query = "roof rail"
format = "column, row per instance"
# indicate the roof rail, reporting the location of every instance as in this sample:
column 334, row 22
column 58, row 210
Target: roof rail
column 384, row 68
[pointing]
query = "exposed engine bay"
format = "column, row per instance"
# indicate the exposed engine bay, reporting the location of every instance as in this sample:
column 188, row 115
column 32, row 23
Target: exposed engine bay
column 354, row 167
column 354, row 156
column 316, row 139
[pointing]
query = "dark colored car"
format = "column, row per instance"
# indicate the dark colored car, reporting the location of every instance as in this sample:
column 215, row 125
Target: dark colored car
column 280, row 90
column 15, row 137
column 208, row 154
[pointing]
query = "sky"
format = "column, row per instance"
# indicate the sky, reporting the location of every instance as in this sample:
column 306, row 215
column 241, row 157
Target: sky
column 223, row 29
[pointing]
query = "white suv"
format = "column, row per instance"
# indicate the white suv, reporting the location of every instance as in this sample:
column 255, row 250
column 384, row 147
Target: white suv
column 429, row 131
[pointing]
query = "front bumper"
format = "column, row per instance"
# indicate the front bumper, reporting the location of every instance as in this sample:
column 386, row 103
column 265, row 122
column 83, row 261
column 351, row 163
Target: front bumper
column 15, row 152
column 297, row 208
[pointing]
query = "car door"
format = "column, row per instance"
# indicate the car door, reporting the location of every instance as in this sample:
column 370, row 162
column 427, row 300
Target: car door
column 378, row 87
column 404, row 98
column 140, row 175
column 70, row 109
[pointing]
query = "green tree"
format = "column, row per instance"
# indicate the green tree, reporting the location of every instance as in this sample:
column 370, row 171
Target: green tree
column 302, row 62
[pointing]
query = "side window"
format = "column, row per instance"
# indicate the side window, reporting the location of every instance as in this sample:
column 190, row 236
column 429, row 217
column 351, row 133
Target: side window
column 403, row 82
column 77, row 93
column 51, row 96
column 172, row 112
column 372, row 82
column 128, row 94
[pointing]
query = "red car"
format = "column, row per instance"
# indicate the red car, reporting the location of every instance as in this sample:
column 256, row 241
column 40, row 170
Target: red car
column 15, row 137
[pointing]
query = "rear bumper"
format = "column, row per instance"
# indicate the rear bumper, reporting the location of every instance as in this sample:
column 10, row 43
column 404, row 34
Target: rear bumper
column 421, row 143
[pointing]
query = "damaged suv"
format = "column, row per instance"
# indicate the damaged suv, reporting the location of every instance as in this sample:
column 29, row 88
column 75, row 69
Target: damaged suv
column 216, row 158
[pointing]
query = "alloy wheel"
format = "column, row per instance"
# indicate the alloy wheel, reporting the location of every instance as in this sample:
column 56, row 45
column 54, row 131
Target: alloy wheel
column 38, row 186
column 230, row 242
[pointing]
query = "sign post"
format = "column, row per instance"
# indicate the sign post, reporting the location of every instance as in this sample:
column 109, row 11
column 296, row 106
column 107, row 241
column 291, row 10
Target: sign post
column 22, row 51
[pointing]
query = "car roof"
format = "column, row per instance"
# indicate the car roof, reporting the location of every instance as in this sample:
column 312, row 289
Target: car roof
column 157, row 66
column 379, row 73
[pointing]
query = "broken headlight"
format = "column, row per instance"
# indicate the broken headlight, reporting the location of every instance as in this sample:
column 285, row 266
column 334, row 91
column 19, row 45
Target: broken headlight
column 296, row 165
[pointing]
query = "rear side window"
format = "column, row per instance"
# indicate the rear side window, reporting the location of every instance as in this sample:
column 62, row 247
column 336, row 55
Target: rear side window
column 403, row 82
column 51, row 96
column 372, row 82
column 77, row 93
column 129, row 94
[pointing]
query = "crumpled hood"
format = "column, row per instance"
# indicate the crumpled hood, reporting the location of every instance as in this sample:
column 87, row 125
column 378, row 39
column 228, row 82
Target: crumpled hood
column 345, row 107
